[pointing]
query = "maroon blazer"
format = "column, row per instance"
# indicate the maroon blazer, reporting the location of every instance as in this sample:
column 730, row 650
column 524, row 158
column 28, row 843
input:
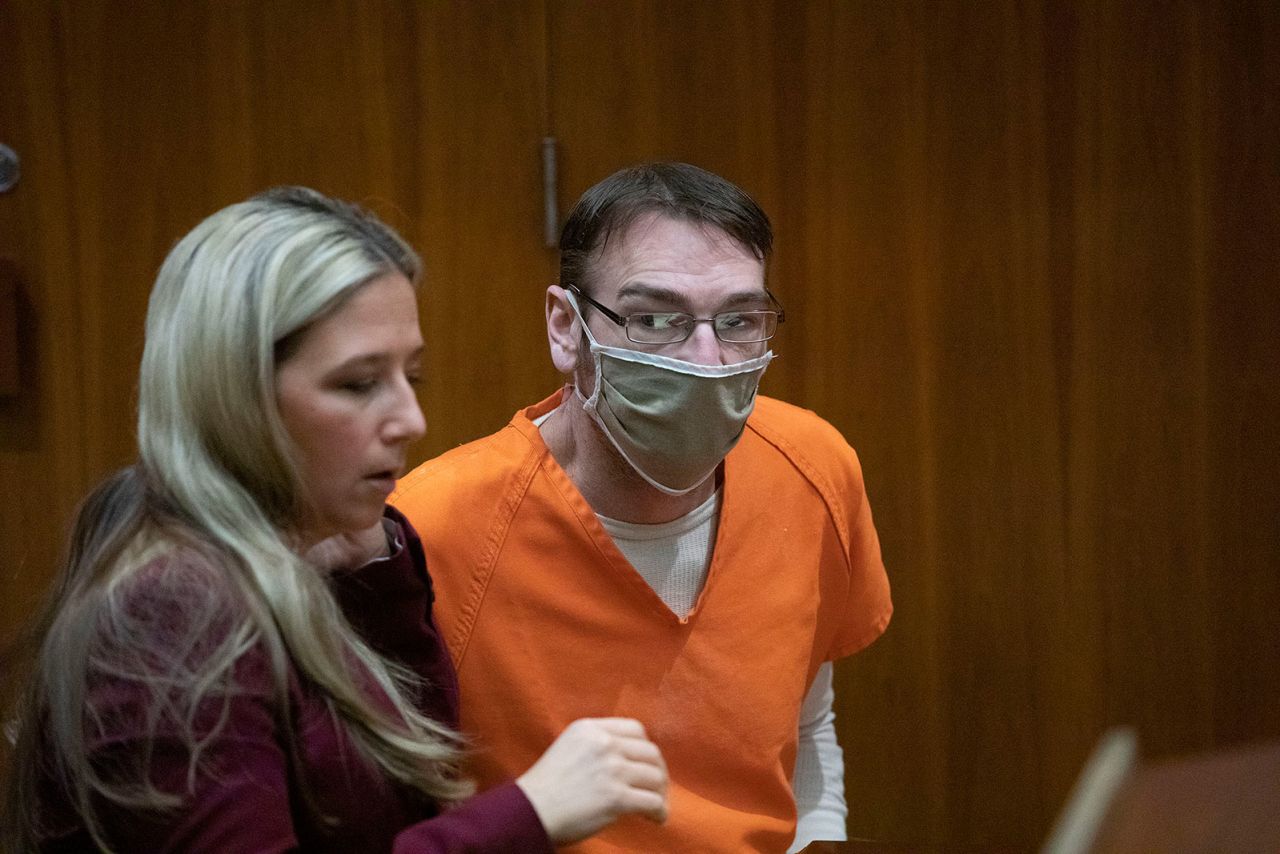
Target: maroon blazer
column 248, row 795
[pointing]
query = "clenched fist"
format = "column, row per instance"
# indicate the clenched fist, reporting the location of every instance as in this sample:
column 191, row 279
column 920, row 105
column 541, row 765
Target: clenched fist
column 597, row 770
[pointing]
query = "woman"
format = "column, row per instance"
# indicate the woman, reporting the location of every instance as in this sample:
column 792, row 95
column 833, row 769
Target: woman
column 240, row 655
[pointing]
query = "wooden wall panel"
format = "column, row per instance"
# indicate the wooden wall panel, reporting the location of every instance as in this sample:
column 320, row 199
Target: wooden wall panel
column 138, row 119
column 1240, row 268
column 484, row 103
column 40, row 428
column 10, row 379
column 1028, row 254
column 1028, row 250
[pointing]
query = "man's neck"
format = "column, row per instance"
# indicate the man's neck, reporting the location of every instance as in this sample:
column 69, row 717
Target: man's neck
column 607, row 481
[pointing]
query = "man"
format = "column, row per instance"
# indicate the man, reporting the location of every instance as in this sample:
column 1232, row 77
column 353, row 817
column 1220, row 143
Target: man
column 654, row 540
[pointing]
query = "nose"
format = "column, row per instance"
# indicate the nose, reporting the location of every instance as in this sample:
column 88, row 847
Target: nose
column 702, row 347
column 405, row 422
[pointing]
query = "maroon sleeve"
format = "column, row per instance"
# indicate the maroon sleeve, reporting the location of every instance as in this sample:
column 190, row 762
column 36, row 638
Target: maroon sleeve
column 499, row 820
column 242, row 797
column 242, row 801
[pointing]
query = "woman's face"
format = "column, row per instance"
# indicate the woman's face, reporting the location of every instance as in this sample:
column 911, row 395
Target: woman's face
column 346, row 397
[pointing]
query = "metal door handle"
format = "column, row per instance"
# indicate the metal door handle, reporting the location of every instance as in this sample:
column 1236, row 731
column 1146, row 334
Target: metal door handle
column 10, row 168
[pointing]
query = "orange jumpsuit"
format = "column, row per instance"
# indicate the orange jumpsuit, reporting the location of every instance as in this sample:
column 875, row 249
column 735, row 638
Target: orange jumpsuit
column 547, row 621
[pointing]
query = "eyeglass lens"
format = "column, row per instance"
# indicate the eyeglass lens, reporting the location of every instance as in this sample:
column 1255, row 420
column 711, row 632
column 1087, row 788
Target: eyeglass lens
column 735, row 327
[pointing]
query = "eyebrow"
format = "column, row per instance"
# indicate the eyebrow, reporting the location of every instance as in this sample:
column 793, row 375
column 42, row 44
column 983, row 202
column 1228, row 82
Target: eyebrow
column 659, row 294
column 374, row 359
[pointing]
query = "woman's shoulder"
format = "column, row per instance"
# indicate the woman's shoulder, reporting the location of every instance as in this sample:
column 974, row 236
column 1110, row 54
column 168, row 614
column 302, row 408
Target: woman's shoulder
column 169, row 581
column 172, row 608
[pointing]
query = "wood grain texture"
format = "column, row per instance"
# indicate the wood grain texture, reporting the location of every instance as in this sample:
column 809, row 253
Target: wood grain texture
column 1029, row 250
column 10, row 374
column 1029, row 253
column 40, row 428
column 136, row 120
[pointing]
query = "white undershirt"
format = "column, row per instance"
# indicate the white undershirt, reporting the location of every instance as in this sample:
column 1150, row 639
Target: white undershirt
column 674, row 557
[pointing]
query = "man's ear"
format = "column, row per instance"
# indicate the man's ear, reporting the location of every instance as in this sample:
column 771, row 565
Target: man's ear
column 563, row 333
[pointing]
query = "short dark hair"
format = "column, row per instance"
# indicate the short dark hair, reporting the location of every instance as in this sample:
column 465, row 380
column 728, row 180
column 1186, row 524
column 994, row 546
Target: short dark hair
column 675, row 190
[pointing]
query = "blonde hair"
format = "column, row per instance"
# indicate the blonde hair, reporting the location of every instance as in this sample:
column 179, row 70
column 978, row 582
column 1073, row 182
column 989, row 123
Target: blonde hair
column 216, row 478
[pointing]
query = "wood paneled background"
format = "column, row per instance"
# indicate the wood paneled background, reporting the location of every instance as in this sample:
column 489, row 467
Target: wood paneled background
column 1029, row 252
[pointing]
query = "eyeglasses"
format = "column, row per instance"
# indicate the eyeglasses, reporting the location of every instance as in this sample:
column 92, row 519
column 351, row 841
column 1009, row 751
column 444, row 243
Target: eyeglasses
column 672, row 327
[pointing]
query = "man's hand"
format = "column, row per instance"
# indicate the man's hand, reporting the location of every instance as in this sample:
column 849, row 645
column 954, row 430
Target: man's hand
column 349, row 550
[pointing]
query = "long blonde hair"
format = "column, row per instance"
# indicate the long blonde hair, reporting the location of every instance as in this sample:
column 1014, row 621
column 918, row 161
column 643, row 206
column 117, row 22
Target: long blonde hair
column 216, row 478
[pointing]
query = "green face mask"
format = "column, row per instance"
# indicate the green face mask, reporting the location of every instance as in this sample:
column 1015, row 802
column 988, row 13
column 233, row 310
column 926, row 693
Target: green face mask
column 672, row 421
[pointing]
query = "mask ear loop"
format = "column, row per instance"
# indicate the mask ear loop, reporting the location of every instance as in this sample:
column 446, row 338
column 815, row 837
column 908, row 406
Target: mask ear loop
column 588, row 403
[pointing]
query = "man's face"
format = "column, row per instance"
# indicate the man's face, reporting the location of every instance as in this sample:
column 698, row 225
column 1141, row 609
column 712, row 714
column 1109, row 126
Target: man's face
column 663, row 264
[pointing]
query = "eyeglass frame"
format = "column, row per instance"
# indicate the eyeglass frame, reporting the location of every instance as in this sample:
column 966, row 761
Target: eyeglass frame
column 625, row 320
